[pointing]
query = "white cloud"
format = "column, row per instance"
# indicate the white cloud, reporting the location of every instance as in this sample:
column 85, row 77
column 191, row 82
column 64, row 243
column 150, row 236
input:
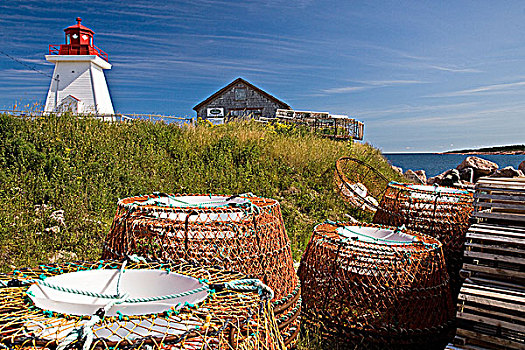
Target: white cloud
column 455, row 69
column 341, row 90
column 369, row 84
column 494, row 88
column 409, row 109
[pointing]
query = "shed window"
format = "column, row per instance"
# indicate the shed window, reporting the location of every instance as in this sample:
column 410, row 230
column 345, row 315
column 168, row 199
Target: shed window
column 240, row 94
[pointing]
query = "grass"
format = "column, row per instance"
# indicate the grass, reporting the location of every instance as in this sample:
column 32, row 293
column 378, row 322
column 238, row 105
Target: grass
column 60, row 177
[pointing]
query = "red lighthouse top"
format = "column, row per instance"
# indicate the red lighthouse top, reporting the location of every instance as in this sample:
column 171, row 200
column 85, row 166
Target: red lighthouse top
column 79, row 41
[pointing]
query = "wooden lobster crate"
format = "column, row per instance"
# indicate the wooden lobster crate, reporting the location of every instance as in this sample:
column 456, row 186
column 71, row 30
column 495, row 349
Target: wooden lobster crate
column 490, row 317
column 495, row 254
column 491, row 303
column 500, row 200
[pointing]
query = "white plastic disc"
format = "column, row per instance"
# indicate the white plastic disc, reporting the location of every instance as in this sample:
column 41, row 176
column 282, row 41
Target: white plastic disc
column 375, row 235
column 200, row 204
column 137, row 283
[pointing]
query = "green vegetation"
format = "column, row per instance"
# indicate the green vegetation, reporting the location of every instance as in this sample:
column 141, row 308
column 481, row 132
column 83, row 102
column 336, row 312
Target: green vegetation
column 83, row 166
column 512, row 148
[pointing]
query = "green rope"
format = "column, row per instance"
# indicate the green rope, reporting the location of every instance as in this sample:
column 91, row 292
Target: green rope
column 380, row 240
column 155, row 201
column 244, row 284
column 137, row 259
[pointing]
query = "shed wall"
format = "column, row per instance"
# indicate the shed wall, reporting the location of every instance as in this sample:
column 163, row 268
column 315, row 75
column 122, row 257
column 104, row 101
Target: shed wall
column 254, row 101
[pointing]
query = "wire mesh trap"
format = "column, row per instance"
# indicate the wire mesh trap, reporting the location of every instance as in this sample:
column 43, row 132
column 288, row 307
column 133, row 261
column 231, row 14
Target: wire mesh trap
column 240, row 233
column 359, row 184
column 121, row 305
column 440, row 212
column 373, row 286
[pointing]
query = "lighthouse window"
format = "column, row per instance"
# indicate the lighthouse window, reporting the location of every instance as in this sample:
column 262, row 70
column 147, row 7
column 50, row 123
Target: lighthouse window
column 68, row 41
column 240, row 94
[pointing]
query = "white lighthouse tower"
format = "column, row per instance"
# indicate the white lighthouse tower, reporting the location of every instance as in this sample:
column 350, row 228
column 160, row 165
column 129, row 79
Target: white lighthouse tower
column 78, row 84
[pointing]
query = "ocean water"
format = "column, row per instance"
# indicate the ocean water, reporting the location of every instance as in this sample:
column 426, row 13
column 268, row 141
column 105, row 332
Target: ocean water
column 435, row 164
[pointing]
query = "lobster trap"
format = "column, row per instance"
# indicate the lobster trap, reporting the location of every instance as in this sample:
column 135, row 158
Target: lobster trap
column 440, row 212
column 373, row 286
column 121, row 305
column 359, row 184
column 240, row 233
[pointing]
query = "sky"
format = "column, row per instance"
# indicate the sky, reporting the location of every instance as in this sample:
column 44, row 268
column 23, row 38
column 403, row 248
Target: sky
column 424, row 76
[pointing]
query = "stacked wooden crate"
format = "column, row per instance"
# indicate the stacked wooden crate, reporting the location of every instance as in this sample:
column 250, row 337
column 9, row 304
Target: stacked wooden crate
column 491, row 304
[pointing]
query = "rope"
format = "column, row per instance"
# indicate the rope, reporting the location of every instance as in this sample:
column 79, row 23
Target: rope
column 203, row 205
column 82, row 334
column 250, row 285
column 378, row 240
column 242, row 285
column 439, row 190
column 134, row 257
column 25, row 65
column 85, row 334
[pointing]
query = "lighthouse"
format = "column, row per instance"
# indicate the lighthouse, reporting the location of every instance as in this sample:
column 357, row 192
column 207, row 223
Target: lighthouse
column 78, row 84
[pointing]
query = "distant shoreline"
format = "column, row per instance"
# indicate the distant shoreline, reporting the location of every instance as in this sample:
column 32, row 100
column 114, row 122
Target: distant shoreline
column 509, row 150
column 481, row 152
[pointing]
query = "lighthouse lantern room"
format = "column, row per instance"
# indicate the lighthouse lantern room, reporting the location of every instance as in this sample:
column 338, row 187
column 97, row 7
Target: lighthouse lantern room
column 78, row 84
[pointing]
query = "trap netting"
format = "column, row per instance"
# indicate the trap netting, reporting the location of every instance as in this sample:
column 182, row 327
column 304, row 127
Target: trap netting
column 373, row 286
column 121, row 305
column 240, row 233
column 440, row 212
column 359, row 184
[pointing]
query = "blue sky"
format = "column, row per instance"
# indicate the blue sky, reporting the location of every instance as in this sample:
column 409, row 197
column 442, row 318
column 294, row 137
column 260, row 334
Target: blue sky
column 422, row 75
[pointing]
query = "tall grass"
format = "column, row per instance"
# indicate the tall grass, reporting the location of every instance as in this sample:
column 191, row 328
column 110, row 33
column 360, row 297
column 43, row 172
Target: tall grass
column 83, row 166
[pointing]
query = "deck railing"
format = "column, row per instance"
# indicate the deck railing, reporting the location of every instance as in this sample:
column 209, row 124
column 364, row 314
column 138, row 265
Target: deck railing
column 118, row 117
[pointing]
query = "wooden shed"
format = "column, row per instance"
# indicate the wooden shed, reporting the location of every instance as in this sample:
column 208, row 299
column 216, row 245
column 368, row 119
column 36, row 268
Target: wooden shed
column 239, row 99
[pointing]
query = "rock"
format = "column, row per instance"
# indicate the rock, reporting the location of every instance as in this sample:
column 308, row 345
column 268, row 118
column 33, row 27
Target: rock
column 451, row 178
column 448, row 178
column 422, row 175
column 291, row 191
column 522, row 167
column 467, row 174
column 58, row 216
column 398, row 169
column 413, row 176
column 481, row 167
column 63, row 255
column 54, row 229
column 435, row 180
column 41, row 208
column 507, row 172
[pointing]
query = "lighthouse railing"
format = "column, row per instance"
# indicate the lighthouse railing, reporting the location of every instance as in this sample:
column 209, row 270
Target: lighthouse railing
column 101, row 53
column 54, row 49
